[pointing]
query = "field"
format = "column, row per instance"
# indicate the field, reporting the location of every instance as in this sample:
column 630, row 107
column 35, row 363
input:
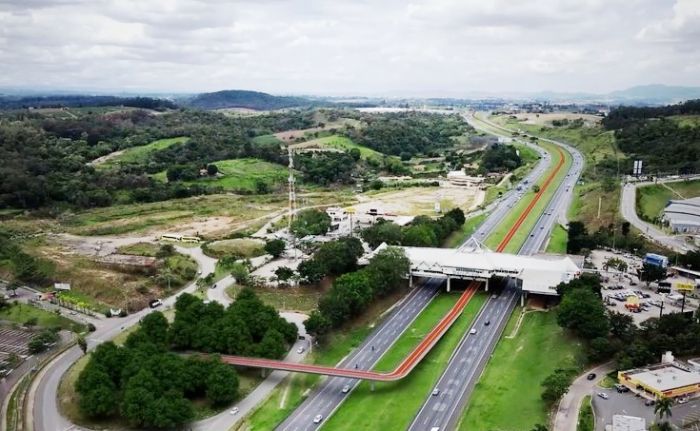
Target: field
column 302, row 299
column 241, row 175
column 652, row 199
column 687, row 120
column 393, row 405
column 419, row 200
column 266, row 139
column 20, row 313
column 339, row 143
column 558, row 240
column 507, row 396
column 135, row 154
column 546, row 119
column 242, row 247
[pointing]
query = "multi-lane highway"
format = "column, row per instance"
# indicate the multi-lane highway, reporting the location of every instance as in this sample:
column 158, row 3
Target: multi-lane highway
column 329, row 395
column 464, row 368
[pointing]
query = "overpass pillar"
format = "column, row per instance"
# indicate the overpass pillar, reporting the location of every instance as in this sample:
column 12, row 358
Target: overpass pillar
column 487, row 285
column 448, row 283
column 522, row 299
column 410, row 281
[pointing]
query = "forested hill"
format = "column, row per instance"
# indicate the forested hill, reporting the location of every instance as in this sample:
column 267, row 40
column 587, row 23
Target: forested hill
column 246, row 99
column 665, row 138
column 623, row 115
column 79, row 101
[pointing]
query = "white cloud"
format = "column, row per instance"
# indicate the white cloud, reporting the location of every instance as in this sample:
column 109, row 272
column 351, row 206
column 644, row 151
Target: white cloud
column 425, row 47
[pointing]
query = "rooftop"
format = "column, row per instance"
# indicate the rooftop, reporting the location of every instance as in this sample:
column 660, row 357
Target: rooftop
column 665, row 377
column 686, row 211
column 628, row 423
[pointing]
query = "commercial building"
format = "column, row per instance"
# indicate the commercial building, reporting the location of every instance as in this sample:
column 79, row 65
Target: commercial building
column 683, row 216
column 669, row 380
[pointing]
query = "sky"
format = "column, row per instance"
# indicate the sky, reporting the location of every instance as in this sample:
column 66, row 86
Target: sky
column 438, row 48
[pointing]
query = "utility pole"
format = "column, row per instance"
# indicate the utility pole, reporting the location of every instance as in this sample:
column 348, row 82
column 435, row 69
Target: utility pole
column 661, row 309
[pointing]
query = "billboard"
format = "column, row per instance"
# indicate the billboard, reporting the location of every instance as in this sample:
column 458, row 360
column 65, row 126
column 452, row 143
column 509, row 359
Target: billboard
column 684, row 286
column 637, row 168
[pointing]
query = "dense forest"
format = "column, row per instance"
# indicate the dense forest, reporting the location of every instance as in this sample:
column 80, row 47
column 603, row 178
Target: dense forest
column 407, row 134
column 663, row 144
column 8, row 102
column 246, row 99
column 46, row 159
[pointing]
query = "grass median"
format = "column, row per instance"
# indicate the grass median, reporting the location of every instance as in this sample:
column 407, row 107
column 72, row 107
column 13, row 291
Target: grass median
column 512, row 379
column 558, row 240
column 392, row 405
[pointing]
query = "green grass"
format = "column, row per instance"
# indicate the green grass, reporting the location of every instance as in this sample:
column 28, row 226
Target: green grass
column 140, row 249
column 558, row 240
column 243, row 247
column 241, row 175
column 508, row 395
column 266, row 140
column 343, row 143
column 392, row 405
column 651, row 200
column 458, row 237
column 301, row 299
column 140, row 154
column 20, row 313
column 686, row 120
column 586, row 420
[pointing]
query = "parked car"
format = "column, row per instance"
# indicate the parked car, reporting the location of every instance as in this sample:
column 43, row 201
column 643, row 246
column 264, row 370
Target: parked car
column 649, row 403
column 603, row 395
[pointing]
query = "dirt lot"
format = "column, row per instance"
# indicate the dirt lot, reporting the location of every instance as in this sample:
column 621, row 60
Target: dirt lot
column 546, row 119
column 420, row 200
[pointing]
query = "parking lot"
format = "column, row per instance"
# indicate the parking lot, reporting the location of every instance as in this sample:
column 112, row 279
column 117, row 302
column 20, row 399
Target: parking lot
column 629, row 404
column 618, row 286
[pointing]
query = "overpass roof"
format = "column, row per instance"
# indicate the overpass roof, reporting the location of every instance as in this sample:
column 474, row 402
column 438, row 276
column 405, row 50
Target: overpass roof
column 538, row 275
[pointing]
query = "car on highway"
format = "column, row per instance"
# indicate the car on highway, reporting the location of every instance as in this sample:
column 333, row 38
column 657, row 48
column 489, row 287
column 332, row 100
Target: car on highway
column 473, row 331
column 591, row 376
column 603, row 395
column 436, row 392
column 318, row 419
column 300, row 350
column 487, row 323
column 345, row 389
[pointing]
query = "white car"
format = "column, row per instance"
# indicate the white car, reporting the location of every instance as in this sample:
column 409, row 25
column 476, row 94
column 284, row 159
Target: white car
column 234, row 411
column 603, row 395
column 300, row 350
column 436, row 392
column 473, row 331
column 346, row 389
column 318, row 419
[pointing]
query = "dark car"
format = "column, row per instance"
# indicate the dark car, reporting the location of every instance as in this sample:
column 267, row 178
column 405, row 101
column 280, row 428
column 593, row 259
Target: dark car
column 487, row 323
column 591, row 376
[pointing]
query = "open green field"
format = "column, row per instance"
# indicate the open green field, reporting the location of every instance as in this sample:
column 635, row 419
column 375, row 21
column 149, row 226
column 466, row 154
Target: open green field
column 458, row 237
column 392, row 405
column 521, row 235
column 507, row 396
column 242, row 247
column 652, row 199
column 341, row 143
column 266, row 139
column 558, row 240
column 686, row 120
column 241, row 175
column 20, row 313
column 303, row 299
column 586, row 420
column 139, row 154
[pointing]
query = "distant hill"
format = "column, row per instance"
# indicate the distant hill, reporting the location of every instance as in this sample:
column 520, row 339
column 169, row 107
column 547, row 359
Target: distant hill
column 656, row 93
column 80, row 101
column 247, row 99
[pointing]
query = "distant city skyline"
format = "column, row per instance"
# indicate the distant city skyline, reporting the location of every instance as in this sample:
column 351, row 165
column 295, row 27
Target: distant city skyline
column 438, row 48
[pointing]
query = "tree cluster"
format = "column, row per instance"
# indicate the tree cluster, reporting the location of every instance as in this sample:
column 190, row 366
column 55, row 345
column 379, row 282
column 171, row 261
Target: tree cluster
column 351, row 293
column 326, row 167
column 247, row 327
column 149, row 386
column 310, row 222
column 409, row 133
column 332, row 258
column 422, row 232
column 500, row 158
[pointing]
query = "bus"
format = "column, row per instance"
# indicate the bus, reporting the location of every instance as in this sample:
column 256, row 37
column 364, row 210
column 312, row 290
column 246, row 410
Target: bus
column 171, row 237
column 194, row 239
column 664, row 287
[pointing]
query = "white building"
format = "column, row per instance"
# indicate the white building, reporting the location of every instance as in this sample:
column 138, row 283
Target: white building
column 460, row 178
column 683, row 216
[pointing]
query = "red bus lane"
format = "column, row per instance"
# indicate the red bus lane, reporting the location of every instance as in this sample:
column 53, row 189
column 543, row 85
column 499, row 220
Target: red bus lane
column 424, row 347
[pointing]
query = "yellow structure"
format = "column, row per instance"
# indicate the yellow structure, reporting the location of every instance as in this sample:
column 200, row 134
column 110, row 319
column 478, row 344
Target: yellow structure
column 683, row 286
column 663, row 380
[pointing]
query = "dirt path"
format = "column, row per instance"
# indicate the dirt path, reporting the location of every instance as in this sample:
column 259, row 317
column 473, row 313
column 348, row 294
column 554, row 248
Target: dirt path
column 100, row 160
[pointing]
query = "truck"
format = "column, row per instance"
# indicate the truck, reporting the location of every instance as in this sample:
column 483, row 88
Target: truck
column 656, row 260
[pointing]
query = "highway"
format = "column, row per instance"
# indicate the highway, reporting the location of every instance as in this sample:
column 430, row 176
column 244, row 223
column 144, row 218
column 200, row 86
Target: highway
column 468, row 361
column 328, row 396
column 628, row 209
